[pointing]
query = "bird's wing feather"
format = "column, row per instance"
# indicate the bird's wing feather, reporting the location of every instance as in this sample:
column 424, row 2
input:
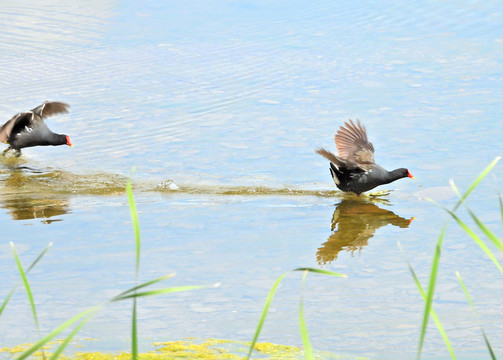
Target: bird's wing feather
column 19, row 120
column 337, row 160
column 353, row 145
column 329, row 156
column 50, row 108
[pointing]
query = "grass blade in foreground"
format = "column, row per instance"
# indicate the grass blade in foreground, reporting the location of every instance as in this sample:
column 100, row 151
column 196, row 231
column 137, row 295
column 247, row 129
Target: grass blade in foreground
column 46, row 249
column 159, row 292
column 134, row 333
column 308, row 350
column 468, row 297
column 141, row 286
column 490, row 235
column 434, row 316
column 55, row 332
column 270, row 296
column 6, row 301
column 501, row 206
column 267, row 304
column 477, row 239
column 26, row 285
column 90, row 312
column 136, row 225
column 431, row 290
column 69, row 338
column 320, row 271
column 471, row 233
column 479, row 178
column 32, row 265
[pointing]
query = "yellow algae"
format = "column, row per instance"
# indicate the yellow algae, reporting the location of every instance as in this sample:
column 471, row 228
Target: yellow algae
column 17, row 349
column 194, row 349
column 183, row 349
column 273, row 349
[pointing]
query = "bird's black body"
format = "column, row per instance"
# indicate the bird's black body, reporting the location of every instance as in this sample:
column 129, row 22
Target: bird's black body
column 354, row 170
column 361, row 181
column 29, row 129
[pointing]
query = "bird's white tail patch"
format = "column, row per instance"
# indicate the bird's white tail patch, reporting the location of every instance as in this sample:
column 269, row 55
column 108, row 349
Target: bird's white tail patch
column 334, row 176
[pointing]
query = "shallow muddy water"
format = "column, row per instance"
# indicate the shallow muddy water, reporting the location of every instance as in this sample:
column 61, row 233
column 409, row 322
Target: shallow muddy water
column 219, row 106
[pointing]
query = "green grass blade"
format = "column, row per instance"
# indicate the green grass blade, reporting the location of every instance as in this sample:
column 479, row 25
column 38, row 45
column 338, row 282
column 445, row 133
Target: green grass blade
column 431, row 290
column 134, row 333
column 477, row 239
column 32, row 265
column 148, row 283
column 157, row 292
column 265, row 310
column 55, row 332
column 40, row 256
column 470, row 232
column 501, row 206
column 468, row 297
column 26, row 284
column 129, row 294
column 6, row 301
column 69, row 338
column 465, row 290
column 308, row 350
column 320, row 271
column 136, row 225
column 490, row 235
column 433, row 314
column 489, row 348
column 479, row 178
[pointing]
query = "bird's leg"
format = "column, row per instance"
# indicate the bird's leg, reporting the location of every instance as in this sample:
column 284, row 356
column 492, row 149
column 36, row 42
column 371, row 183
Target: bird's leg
column 18, row 153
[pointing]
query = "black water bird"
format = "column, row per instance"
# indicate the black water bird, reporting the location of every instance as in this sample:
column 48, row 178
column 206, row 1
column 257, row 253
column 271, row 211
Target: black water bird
column 354, row 169
column 28, row 128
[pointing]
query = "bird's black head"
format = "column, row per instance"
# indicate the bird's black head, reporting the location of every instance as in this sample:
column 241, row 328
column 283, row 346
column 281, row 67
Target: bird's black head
column 65, row 140
column 402, row 172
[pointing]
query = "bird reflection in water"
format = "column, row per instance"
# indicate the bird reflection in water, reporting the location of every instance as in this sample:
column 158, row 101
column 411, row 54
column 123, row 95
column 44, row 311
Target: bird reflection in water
column 22, row 199
column 354, row 222
column 29, row 207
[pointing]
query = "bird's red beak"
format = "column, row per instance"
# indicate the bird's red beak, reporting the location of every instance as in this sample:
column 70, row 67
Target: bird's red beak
column 410, row 175
column 68, row 141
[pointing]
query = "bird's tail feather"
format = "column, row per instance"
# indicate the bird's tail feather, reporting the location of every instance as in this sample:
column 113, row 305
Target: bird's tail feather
column 329, row 156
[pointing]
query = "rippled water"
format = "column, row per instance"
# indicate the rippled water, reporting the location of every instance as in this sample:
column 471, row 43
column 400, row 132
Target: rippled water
column 219, row 106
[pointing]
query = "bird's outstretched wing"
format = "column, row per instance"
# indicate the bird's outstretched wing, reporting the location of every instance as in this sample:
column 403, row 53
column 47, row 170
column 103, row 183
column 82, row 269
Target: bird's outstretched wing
column 20, row 119
column 353, row 145
column 50, row 108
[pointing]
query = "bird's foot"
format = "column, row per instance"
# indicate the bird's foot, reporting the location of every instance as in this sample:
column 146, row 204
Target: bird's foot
column 378, row 194
column 9, row 150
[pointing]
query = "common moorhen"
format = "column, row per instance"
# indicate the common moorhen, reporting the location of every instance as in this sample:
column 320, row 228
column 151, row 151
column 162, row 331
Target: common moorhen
column 354, row 170
column 29, row 129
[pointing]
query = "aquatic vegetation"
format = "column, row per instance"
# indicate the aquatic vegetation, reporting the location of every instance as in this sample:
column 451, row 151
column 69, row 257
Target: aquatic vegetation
column 81, row 318
column 428, row 296
column 49, row 348
column 193, row 349
column 303, row 329
column 186, row 350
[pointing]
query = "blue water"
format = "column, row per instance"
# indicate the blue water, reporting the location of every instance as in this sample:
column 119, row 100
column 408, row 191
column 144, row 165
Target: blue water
column 238, row 94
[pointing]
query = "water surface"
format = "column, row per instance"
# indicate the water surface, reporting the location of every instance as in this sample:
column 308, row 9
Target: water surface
column 219, row 106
